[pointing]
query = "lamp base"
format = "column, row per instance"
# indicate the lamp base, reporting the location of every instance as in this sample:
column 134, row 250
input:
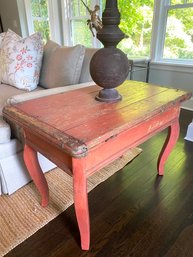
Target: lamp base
column 109, row 95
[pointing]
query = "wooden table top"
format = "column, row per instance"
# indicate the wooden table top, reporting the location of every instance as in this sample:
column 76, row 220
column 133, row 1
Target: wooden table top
column 76, row 119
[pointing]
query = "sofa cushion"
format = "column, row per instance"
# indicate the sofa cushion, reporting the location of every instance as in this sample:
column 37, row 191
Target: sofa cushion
column 52, row 91
column 5, row 132
column 61, row 66
column 85, row 73
column 21, row 60
column 7, row 91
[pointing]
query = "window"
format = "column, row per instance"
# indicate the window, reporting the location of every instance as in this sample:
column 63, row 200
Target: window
column 65, row 22
column 136, row 23
column 174, row 31
column 43, row 16
column 38, row 17
column 78, row 16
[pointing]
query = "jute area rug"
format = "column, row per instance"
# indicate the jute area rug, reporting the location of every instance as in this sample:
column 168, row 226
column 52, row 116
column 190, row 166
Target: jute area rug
column 21, row 214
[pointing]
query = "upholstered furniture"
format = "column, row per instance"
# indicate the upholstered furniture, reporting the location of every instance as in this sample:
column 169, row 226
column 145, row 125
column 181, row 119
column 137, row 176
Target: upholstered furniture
column 62, row 69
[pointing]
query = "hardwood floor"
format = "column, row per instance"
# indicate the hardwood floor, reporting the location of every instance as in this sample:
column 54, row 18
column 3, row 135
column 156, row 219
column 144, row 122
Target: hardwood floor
column 135, row 213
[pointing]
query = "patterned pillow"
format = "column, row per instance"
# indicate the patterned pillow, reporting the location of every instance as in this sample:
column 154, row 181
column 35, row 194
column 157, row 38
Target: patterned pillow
column 2, row 35
column 22, row 60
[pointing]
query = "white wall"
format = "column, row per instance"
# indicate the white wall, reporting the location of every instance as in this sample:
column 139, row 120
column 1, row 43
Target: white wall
column 10, row 16
column 170, row 75
column 175, row 76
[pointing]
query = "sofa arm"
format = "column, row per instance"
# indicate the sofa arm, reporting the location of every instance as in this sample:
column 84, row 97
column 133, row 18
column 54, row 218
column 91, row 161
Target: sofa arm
column 41, row 93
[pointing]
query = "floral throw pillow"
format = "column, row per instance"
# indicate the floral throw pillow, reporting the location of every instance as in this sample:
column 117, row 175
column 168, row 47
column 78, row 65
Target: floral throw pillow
column 22, row 60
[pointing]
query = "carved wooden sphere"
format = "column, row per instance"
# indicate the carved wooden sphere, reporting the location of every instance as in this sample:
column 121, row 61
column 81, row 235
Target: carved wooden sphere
column 109, row 67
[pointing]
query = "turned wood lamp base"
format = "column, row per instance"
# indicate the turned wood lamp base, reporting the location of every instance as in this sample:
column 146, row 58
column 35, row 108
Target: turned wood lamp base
column 109, row 66
column 108, row 95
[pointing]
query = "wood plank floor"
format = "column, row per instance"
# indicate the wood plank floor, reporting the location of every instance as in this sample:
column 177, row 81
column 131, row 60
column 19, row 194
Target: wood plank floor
column 135, row 213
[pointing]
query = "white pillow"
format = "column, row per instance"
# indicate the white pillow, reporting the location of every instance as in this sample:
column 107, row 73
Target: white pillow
column 22, row 60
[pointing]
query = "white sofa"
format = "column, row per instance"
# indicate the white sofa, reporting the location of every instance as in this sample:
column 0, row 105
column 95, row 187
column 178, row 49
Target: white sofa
column 13, row 173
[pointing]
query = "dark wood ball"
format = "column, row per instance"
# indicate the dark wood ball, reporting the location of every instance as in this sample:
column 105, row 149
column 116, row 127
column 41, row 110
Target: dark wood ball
column 109, row 67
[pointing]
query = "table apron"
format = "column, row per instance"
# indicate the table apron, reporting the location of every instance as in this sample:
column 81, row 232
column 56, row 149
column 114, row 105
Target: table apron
column 107, row 151
column 103, row 154
column 49, row 150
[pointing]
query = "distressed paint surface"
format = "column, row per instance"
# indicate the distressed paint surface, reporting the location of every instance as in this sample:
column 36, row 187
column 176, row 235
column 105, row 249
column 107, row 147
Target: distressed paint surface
column 82, row 135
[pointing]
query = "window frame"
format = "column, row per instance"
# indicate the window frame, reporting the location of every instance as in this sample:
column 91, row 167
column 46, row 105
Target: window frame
column 161, row 9
column 54, row 23
column 68, row 18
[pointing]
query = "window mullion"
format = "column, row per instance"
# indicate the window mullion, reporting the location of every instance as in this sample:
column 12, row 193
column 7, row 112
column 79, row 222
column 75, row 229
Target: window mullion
column 54, row 21
column 28, row 11
column 66, row 24
column 179, row 6
column 159, row 29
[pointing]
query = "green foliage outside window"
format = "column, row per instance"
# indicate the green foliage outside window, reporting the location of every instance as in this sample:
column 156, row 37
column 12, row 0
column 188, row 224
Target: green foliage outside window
column 179, row 34
column 79, row 28
column 80, row 33
column 40, row 18
column 136, row 23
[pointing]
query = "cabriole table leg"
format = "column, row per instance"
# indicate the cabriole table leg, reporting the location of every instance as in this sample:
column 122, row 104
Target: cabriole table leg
column 173, row 134
column 81, row 202
column 33, row 167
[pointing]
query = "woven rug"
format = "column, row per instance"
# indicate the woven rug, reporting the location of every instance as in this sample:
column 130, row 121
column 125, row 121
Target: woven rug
column 21, row 214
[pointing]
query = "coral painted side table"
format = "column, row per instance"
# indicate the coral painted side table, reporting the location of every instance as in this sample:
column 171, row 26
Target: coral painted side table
column 81, row 135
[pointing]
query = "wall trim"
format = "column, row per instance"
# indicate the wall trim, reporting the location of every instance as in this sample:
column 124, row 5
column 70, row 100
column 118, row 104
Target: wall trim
column 174, row 67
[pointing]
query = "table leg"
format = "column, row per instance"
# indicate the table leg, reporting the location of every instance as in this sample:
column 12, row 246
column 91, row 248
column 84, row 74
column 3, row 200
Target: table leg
column 81, row 202
column 173, row 134
column 34, row 169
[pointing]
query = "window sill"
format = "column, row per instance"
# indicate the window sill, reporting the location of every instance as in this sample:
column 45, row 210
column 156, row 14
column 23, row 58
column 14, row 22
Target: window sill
column 172, row 66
